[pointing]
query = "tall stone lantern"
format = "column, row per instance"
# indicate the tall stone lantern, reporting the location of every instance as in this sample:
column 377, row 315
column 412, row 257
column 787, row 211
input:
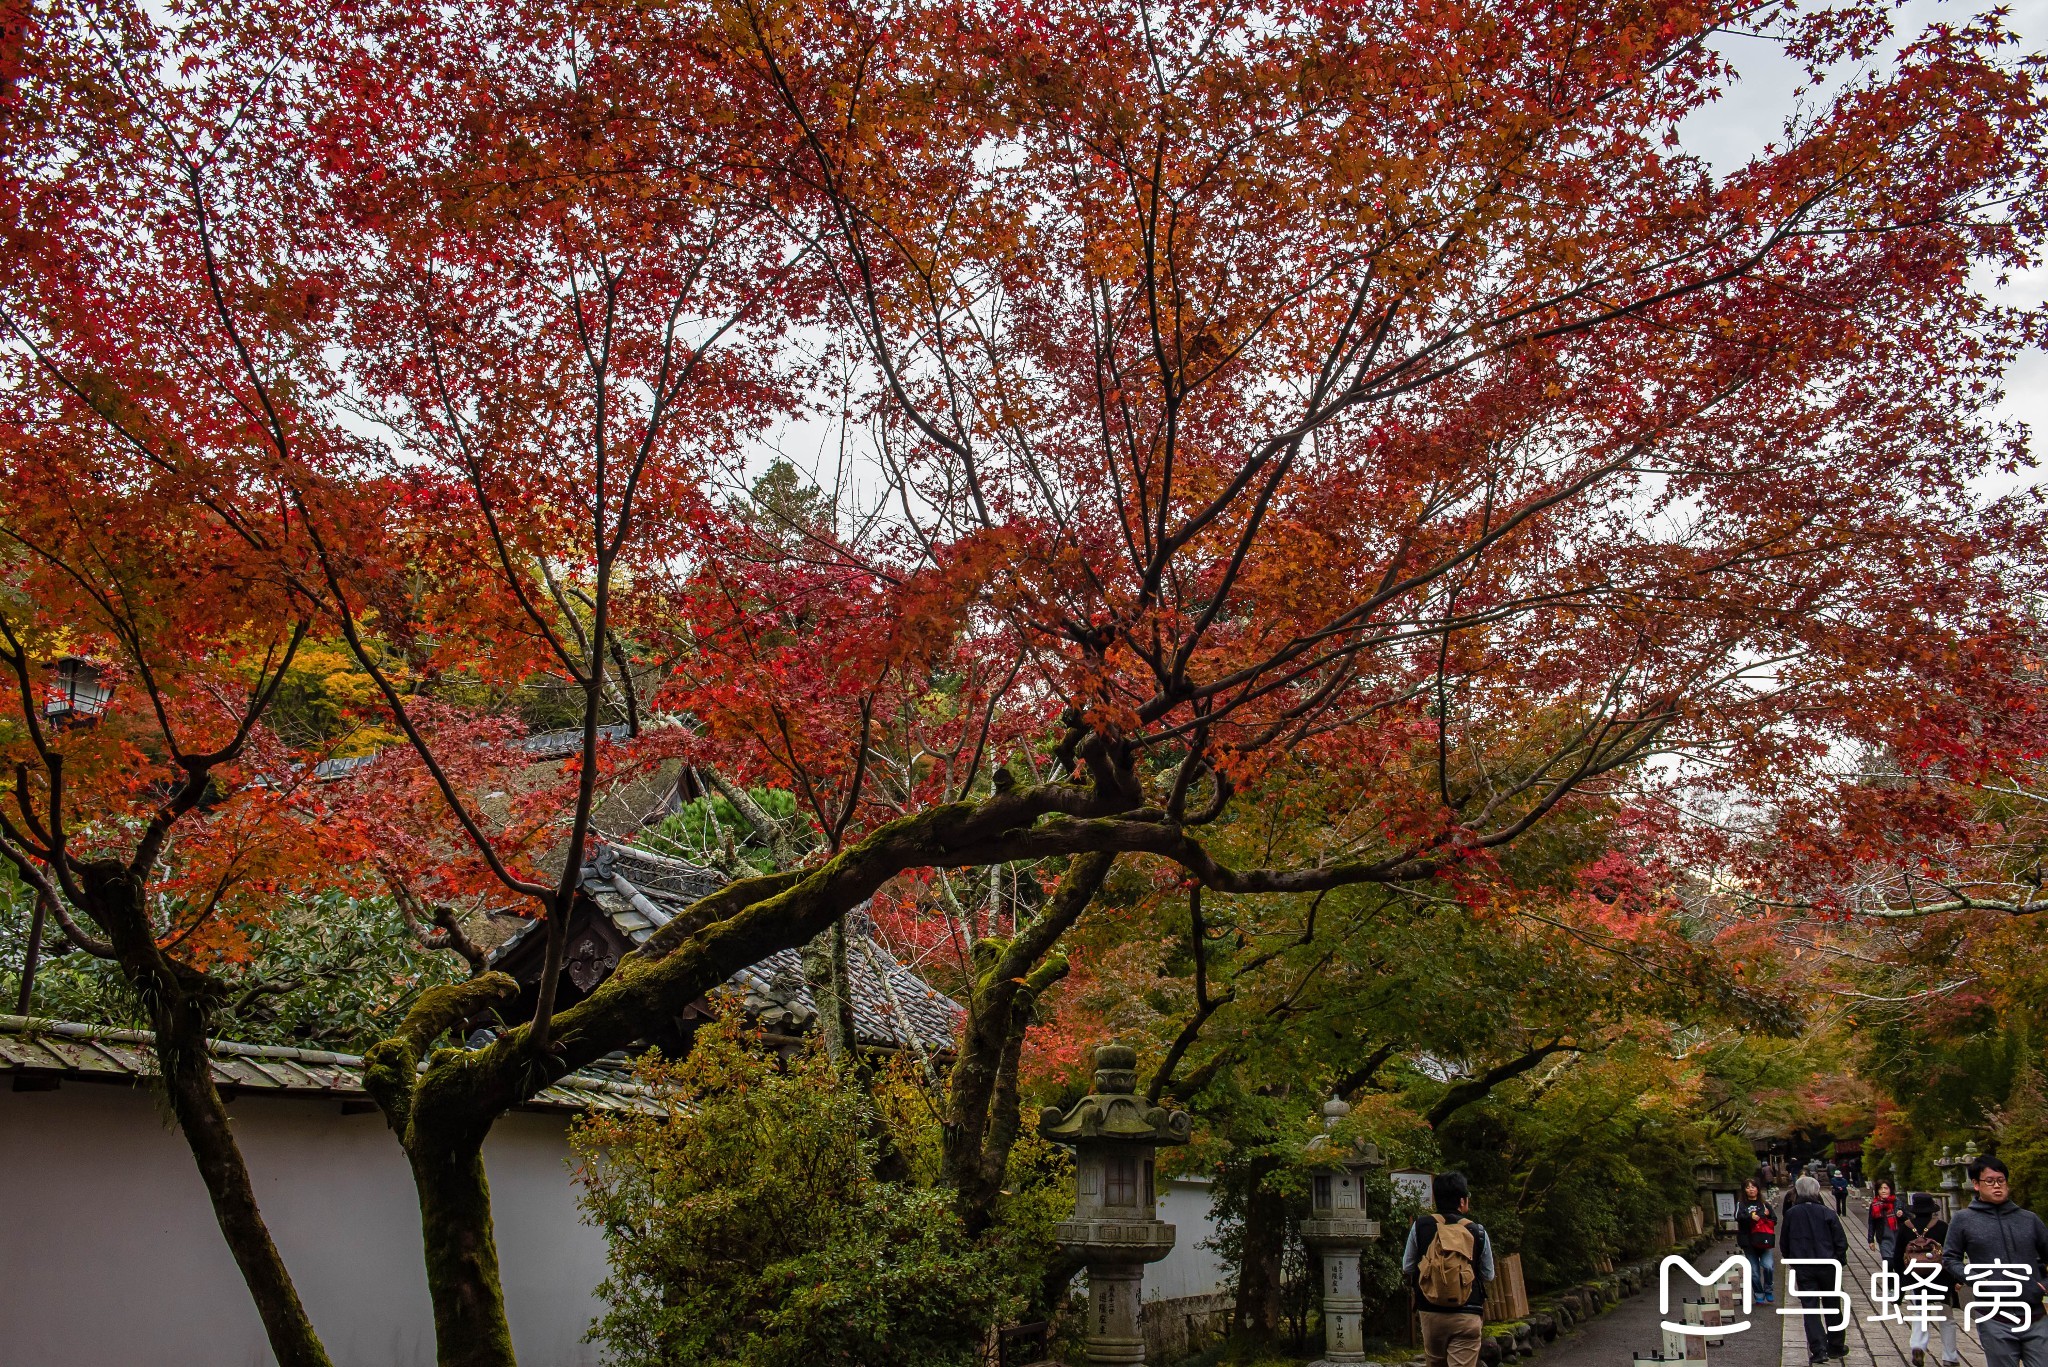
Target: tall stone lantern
column 1115, row 1229
column 1337, row 1229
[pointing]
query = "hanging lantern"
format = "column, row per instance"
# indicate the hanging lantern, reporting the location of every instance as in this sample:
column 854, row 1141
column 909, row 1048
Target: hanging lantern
column 83, row 691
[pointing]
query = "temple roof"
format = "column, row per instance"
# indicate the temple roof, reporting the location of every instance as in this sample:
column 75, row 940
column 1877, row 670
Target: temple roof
column 639, row 891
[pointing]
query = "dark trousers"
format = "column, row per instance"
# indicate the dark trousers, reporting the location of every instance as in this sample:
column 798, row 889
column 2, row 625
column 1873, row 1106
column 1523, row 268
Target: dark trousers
column 1841, row 1203
column 1820, row 1343
column 2005, row 1346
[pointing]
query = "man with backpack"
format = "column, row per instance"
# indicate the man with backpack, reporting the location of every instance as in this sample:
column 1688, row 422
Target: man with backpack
column 1447, row 1263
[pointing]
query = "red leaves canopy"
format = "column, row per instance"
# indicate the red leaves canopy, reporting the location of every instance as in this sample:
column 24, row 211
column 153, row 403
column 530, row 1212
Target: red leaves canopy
column 1372, row 391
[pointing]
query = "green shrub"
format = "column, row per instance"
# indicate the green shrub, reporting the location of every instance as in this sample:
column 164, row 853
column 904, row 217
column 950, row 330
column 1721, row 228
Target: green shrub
column 749, row 1228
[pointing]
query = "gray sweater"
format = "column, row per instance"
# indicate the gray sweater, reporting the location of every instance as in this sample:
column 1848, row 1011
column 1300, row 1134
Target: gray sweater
column 2006, row 1233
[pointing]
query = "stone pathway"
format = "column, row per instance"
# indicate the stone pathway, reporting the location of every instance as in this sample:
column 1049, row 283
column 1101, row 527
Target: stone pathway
column 1872, row 1345
column 1615, row 1338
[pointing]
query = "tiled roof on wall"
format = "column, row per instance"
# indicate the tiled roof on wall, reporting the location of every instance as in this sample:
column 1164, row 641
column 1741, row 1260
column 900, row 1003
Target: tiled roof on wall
column 31, row 1048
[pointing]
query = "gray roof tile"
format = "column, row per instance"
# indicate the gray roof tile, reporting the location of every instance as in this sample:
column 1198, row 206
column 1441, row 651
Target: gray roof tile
column 640, row 890
column 103, row 1054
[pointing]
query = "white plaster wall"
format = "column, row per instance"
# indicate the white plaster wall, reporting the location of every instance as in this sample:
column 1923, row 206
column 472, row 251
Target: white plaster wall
column 109, row 1254
column 1189, row 1270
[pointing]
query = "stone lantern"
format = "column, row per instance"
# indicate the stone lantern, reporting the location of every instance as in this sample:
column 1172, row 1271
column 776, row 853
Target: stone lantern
column 1115, row 1229
column 1338, row 1231
column 1954, row 1176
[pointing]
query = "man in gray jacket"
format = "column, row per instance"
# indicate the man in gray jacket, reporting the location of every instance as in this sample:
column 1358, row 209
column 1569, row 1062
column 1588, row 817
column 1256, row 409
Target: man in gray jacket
column 1995, row 1229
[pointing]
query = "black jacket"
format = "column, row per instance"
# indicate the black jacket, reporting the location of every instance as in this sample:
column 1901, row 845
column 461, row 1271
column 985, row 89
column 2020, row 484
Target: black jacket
column 2006, row 1233
column 1811, row 1230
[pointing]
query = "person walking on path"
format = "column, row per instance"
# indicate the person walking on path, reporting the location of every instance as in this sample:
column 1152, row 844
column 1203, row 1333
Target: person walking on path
column 1883, row 1232
column 1756, row 1235
column 1446, row 1255
column 1922, row 1233
column 1811, row 1230
column 1840, row 1183
column 1995, row 1228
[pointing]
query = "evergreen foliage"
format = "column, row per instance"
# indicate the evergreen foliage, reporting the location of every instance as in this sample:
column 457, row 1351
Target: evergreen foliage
column 752, row 1225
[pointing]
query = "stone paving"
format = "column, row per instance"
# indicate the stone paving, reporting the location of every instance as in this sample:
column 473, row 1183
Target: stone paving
column 1872, row 1344
column 1613, row 1339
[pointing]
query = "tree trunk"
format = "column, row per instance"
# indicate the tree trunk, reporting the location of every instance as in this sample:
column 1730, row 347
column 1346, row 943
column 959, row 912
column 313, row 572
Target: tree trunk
column 826, row 975
column 470, row 1326
column 203, row 1119
column 30, row 957
column 1259, row 1275
column 177, row 1013
column 441, row 1122
column 442, row 1115
column 982, row 1118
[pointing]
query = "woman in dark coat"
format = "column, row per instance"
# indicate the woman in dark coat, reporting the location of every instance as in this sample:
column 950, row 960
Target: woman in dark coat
column 1884, row 1223
column 1923, row 1224
column 1756, row 1235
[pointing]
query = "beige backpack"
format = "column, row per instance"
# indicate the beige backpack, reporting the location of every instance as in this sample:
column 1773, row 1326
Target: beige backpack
column 1445, row 1274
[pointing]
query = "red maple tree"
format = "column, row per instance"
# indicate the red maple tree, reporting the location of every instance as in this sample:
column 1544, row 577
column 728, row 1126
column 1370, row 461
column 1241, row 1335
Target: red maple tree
column 1379, row 399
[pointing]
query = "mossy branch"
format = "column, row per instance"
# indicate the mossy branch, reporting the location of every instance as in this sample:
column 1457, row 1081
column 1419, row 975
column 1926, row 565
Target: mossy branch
column 1084, row 879
column 728, row 901
column 1005, row 1116
column 740, row 924
column 391, row 1067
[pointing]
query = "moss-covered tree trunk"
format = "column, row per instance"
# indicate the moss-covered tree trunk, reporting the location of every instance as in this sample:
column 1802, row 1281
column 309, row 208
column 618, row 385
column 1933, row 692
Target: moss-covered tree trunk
column 177, row 1001
column 442, row 1125
column 982, row 1119
column 470, row 1323
column 442, row 1113
column 828, row 976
